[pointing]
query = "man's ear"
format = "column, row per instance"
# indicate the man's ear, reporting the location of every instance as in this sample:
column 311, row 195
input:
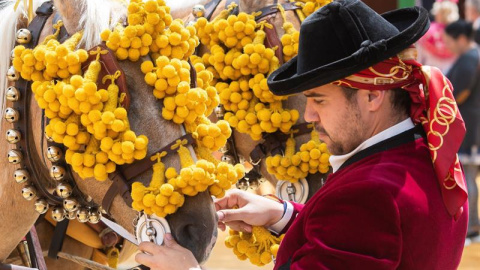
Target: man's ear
column 376, row 98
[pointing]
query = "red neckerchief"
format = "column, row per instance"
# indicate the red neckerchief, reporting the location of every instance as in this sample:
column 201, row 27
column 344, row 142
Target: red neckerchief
column 433, row 106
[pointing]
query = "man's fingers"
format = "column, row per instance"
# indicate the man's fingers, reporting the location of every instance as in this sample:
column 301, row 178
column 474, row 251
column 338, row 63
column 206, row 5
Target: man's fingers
column 227, row 202
column 145, row 259
column 169, row 241
column 228, row 215
column 239, row 226
column 221, row 226
column 149, row 247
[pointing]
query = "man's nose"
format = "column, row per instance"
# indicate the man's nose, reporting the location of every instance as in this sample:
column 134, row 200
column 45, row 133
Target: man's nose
column 310, row 114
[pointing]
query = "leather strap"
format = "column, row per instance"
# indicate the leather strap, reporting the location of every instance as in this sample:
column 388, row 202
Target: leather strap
column 63, row 35
column 57, row 239
column 273, row 9
column 35, row 250
column 210, row 8
column 272, row 40
column 123, row 177
column 273, row 142
column 109, row 67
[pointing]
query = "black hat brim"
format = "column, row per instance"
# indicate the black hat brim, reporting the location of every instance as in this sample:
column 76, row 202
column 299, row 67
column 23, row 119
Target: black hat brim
column 412, row 24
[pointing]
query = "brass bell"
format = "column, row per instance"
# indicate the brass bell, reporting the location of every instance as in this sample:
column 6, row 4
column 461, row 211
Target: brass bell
column 224, row 149
column 71, row 215
column 57, row 172
column 15, row 156
column 12, row 74
column 54, row 153
column 219, row 111
column 82, row 215
column 58, row 213
column 70, row 204
column 253, row 184
column 227, row 158
column 198, row 11
column 21, row 175
column 11, row 115
column 24, row 36
column 12, row 55
column 13, row 136
column 41, row 206
column 64, row 190
column 12, row 94
column 242, row 184
column 94, row 216
column 29, row 192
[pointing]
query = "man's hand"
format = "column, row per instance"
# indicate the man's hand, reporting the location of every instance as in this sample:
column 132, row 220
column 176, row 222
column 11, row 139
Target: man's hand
column 241, row 210
column 169, row 256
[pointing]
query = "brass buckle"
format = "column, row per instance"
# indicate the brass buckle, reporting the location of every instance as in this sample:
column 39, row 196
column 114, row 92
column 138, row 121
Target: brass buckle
column 382, row 81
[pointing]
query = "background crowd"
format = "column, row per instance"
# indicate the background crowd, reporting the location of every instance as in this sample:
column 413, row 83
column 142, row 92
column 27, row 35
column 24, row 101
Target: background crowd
column 451, row 44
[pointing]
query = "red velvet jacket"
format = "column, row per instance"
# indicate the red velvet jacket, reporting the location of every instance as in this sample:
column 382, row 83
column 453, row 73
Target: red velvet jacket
column 381, row 210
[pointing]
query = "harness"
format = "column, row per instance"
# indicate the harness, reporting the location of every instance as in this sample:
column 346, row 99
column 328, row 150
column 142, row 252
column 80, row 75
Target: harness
column 32, row 167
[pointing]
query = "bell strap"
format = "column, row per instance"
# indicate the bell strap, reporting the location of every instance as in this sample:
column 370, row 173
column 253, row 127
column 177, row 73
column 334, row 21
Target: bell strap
column 57, row 240
column 38, row 174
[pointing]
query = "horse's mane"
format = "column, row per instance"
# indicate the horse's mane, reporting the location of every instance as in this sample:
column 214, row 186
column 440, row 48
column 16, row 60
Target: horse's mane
column 96, row 16
column 10, row 20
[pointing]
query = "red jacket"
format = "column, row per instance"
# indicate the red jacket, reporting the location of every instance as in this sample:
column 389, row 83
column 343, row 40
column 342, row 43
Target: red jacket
column 381, row 210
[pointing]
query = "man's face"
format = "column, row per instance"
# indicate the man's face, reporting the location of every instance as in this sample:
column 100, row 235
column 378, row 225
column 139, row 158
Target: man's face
column 471, row 14
column 455, row 45
column 337, row 119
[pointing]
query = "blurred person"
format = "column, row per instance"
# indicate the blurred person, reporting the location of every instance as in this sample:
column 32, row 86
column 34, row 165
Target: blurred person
column 472, row 14
column 465, row 79
column 431, row 47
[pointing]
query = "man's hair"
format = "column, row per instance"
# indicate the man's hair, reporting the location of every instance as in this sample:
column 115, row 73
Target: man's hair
column 460, row 28
column 475, row 4
column 400, row 99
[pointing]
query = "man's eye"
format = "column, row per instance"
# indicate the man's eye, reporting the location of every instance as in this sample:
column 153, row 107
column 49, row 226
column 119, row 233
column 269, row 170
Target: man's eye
column 318, row 101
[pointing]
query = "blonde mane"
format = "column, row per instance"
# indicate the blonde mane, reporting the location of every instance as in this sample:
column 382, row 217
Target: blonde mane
column 10, row 22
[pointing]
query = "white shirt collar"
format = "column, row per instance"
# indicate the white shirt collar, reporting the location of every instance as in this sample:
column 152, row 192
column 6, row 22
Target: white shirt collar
column 337, row 161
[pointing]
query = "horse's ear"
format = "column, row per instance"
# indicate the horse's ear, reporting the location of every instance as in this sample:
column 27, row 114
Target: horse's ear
column 70, row 10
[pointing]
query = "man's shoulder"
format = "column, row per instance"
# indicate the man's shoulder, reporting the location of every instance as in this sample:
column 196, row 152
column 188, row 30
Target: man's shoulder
column 393, row 173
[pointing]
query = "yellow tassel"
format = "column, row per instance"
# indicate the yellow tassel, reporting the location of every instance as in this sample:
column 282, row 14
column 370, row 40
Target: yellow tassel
column 204, row 153
column 185, row 158
column 112, row 256
column 113, row 91
column 158, row 176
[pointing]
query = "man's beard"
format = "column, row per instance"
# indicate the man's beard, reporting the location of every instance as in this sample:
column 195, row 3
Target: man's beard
column 335, row 147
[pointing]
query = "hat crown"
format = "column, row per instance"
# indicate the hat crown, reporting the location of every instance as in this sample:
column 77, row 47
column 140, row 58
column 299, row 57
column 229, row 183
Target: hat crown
column 341, row 29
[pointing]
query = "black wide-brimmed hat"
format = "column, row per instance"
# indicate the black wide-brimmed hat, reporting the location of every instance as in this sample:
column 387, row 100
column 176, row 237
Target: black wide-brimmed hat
column 343, row 38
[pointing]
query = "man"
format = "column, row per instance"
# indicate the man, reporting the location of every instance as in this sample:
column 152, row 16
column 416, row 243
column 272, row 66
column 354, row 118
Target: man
column 396, row 198
column 472, row 14
column 464, row 77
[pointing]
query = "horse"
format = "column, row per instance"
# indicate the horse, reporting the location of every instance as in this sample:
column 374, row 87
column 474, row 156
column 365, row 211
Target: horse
column 193, row 225
column 244, row 149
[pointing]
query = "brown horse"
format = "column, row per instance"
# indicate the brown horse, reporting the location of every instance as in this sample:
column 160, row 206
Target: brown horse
column 294, row 102
column 193, row 225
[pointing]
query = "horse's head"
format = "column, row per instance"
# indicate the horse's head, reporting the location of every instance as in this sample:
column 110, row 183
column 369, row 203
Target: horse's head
column 194, row 224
